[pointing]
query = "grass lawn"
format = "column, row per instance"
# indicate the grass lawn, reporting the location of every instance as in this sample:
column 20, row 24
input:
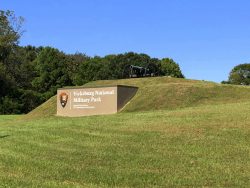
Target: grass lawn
column 196, row 146
column 6, row 118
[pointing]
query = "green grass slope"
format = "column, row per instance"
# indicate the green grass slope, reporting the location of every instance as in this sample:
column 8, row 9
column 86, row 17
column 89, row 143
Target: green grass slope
column 175, row 133
column 206, row 146
column 161, row 93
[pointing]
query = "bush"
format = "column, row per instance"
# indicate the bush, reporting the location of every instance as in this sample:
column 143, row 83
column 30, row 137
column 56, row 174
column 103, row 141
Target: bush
column 9, row 106
column 240, row 75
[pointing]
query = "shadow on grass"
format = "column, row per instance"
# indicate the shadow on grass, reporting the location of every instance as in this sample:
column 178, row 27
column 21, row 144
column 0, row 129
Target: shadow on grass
column 4, row 136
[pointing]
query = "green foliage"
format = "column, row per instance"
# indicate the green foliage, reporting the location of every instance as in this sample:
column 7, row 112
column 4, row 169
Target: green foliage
column 170, row 68
column 6, row 82
column 93, row 69
column 118, row 62
column 9, row 105
column 10, row 32
column 73, row 62
column 240, row 75
column 52, row 71
column 22, row 66
column 29, row 100
column 112, row 67
column 225, row 82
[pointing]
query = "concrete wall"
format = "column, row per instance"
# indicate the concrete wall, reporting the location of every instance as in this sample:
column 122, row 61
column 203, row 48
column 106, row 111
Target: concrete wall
column 93, row 101
column 124, row 95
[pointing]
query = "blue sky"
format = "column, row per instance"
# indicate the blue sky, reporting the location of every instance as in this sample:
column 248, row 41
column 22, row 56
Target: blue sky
column 207, row 38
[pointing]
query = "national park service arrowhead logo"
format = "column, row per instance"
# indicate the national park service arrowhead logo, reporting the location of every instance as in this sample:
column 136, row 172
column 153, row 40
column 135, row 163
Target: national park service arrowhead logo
column 63, row 99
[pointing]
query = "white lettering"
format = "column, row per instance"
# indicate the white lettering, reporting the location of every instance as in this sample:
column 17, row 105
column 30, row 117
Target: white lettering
column 81, row 100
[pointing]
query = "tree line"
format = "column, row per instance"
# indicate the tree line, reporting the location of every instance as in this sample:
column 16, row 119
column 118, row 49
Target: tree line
column 30, row 75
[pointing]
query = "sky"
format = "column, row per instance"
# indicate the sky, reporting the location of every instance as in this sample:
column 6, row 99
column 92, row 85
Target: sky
column 207, row 38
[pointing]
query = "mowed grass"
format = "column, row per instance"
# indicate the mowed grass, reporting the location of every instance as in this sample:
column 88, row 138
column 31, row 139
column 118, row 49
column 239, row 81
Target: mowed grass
column 163, row 93
column 6, row 118
column 204, row 146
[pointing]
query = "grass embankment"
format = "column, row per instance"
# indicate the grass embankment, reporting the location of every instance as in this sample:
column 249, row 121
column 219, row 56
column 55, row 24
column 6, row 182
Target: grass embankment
column 161, row 93
column 203, row 141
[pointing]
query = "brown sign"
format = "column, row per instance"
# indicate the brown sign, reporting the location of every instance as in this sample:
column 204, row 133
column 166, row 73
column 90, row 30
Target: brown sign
column 93, row 101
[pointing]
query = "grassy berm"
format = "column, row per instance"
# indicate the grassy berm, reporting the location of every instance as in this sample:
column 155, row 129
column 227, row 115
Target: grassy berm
column 173, row 133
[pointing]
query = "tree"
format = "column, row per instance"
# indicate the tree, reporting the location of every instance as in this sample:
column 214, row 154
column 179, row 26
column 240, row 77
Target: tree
column 96, row 68
column 51, row 70
column 10, row 32
column 73, row 62
column 9, row 105
column 21, row 65
column 240, row 75
column 120, row 61
column 112, row 67
column 6, row 83
column 170, row 68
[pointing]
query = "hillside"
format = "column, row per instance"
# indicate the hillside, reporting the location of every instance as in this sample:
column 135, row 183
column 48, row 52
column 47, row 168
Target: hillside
column 163, row 93
column 180, row 133
column 188, row 147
